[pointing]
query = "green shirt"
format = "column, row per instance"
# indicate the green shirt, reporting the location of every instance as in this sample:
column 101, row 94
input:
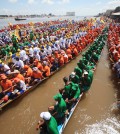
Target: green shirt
column 76, row 79
column 60, row 108
column 52, row 126
column 75, row 91
column 78, row 71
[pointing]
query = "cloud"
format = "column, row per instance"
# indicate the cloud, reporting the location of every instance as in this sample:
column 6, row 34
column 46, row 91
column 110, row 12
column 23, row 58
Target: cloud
column 13, row 1
column 49, row 2
column 31, row 1
column 114, row 2
column 63, row 1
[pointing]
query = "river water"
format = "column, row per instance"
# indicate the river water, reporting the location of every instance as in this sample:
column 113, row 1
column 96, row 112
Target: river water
column 4, row 22
column 95, row 113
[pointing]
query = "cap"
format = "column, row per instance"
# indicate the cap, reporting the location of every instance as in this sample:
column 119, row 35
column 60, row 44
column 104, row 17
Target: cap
column 15, row 72
column 45, row 115
column 0, row 61
column 16, row 80
column 85, row 72
column 72, row 75
column 57, row 97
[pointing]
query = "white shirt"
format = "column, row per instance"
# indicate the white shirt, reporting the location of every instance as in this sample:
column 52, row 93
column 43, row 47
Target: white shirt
column 23, row 55
column 22, row 85
column 6, row 67
column 31, row 52
column 36, row 49
column 37, row 56
column 19, row 63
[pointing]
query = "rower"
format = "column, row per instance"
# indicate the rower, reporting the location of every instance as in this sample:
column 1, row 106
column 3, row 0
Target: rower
column 16, row 74
column 27, row 74
column 5, row 68
column 46, row 70
column 19, row 63
column 49, row 121
column 74, row 78
column 59, row 109
column 86, row 82
column 36, row 76
column 20, row 87
column 7, row 88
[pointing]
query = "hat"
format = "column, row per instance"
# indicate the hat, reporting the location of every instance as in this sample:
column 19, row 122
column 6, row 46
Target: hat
column 85, row 72
column 45, row 115
column 72, row 75
column 35, row 69
column 15, row 72
column 3, row 77
column 16, row 80
column 57, row 97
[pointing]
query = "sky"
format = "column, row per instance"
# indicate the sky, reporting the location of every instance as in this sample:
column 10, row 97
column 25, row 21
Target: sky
column 56, row 7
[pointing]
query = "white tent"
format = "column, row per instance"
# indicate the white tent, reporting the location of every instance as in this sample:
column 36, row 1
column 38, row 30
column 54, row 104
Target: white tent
column 118, row 13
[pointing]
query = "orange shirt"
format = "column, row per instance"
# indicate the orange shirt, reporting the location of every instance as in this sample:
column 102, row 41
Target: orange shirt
column 6, row 85
column 65, row 59
column 29, row 72
column 39, row 66
column 20, row 76
column 75, row 52
column 37, row 75
column 47, row 70
column 61, row 61
column 68, row 51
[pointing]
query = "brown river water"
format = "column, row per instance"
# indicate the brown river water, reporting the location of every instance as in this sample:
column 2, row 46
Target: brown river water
column 96, row 113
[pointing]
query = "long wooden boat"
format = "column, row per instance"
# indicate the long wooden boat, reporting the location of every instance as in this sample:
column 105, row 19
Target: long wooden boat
column 18, row 19
column 3, row 104
column 67, row 118
column 62, row 126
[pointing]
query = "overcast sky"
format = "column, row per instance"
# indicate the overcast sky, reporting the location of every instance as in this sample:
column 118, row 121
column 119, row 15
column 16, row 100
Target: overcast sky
column 57, row 7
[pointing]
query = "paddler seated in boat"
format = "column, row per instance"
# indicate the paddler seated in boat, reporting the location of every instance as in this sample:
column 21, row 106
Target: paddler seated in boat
column 73, row 94
column 36, row 76
column 47, row 124
column 78, row 71
column 86, row 81
column 46, row 70
column 20, row 87
column 27, row 74
column 38, row 64
column 7, row 88
column 116, row 68
column 5, row 69
column 74, row 78
column 17, row 74
column 19, row 64
column 59, row 109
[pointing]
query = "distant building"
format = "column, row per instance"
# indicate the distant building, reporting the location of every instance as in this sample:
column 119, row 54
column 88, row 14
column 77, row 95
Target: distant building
column 70, row 14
